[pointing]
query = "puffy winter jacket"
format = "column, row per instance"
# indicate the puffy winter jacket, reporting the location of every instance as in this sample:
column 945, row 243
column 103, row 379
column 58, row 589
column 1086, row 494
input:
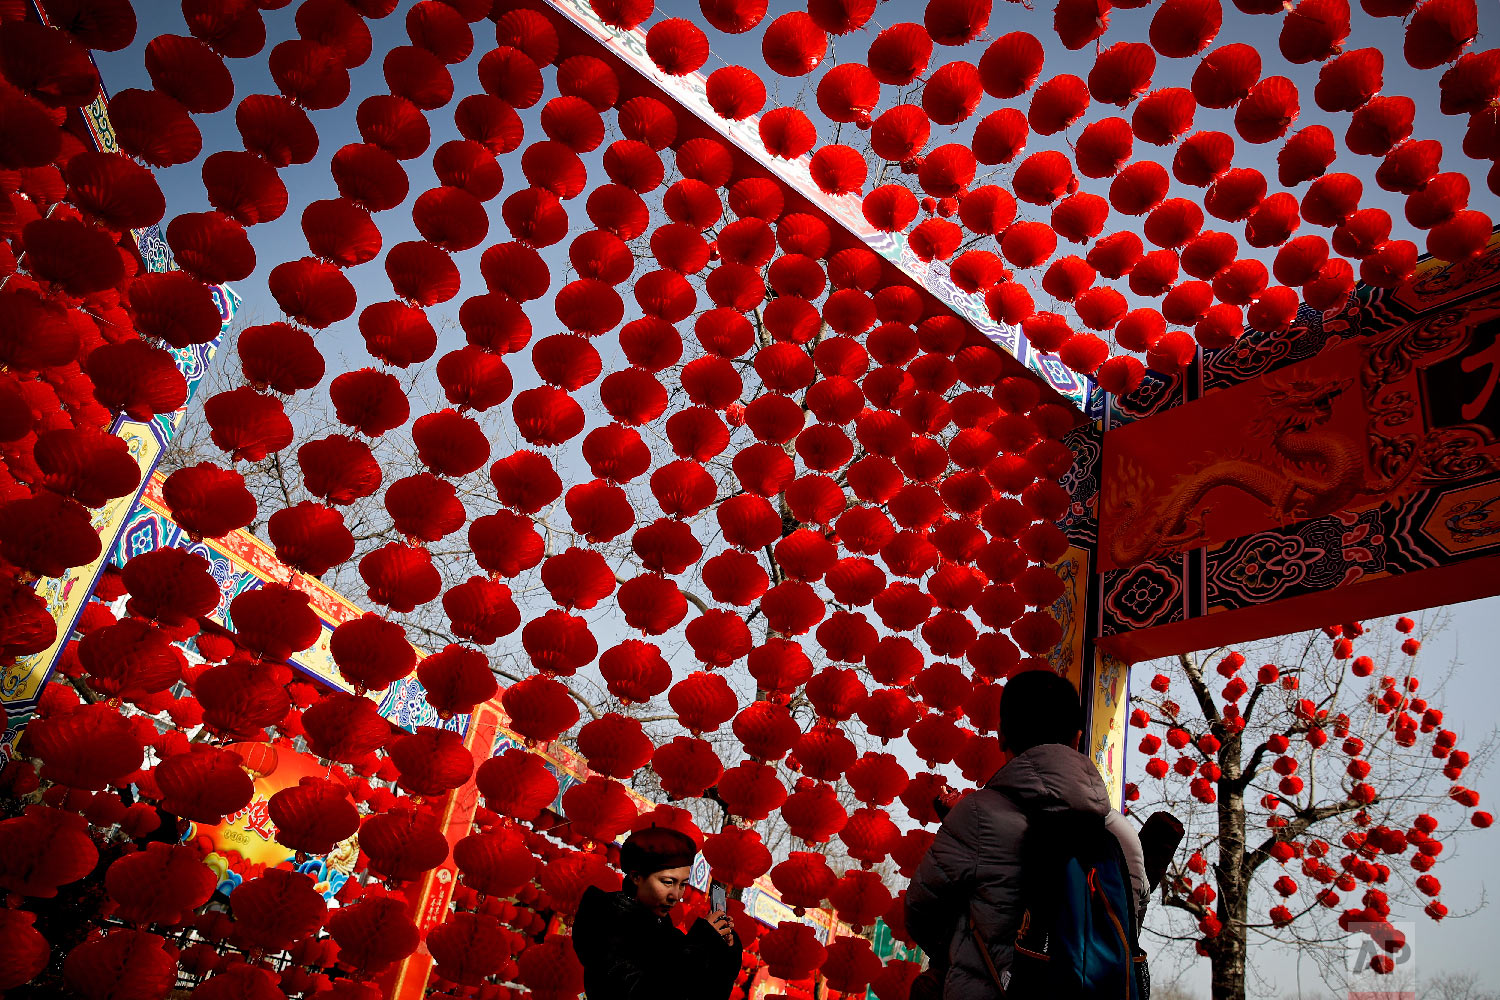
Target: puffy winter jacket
column 630, row 953
column 973, row 868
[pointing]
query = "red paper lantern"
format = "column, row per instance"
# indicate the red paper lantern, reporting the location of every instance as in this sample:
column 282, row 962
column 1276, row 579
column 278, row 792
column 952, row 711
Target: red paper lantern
column 373, row 932
column 792, row 951
column 687, row 766
column 516, row 783
column 635, row 671
column 313, row 815
column 540, row 708
column 402, row 843
column 457, row 678
column 44, row 848
column 163, row 884
column 27, row 952
column 204, row 784
column 497, row 864
column 87, row 748
column 431, row 761
column 124, row 963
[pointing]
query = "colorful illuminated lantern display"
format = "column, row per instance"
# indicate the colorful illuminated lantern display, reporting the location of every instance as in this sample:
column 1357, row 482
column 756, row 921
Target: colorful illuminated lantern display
column 702, row 444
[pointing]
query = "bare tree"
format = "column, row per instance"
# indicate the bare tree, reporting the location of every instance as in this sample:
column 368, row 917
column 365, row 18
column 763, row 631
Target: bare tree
column 1317, row 786
column 1457, row 986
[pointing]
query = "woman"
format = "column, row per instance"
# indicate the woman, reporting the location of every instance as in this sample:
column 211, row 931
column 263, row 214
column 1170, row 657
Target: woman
column 626, row 941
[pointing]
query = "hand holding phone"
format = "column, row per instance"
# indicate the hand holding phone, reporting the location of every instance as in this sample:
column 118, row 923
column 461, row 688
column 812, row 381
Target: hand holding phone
column 718, row 916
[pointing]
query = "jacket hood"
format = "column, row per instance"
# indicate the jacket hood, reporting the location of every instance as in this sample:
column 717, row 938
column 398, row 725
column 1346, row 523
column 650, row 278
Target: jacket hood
column 1053, row 778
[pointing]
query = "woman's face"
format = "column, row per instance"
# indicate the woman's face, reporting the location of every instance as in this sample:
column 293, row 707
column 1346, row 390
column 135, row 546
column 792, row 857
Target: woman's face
column 661, row 890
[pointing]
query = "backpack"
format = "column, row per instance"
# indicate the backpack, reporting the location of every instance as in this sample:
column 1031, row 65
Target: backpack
column 1078, row 935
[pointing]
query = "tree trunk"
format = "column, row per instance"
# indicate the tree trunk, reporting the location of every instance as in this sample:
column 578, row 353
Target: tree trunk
column 1227, row 964
column 1227, row 957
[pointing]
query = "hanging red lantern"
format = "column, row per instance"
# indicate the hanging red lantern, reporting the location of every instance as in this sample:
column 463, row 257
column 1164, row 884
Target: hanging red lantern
column 313, row 815
column 132, row 376
column 204, row 784
column 551, row 970
column 88, row 748
column 540, row 708
column 635, row 671
column 131, row 658
column 516, row 784
column 804, row 880
column 559, row 643
column 276, row 908
column 371, row 652
column 599, row 808
column 824, row 753
column 614, row 745
column 450, row 443
column 344, row 727
column 402, row 843
column 1438, row 32
column 311, row 291
column 793, row 44
column 687, row 766
column 450, row 218
column 310, row 537
column 497, row 864
column 953, row 92
column 718, row 638
column 274, row 621
column 736, row 856
column 280, row 357
column 848, row 93
column 457, row 678
column 480, row 610
column 400, row 576
column 888, row 713
column 44, row 848
column 469, row 947
column 766, row 729
column 751, row 790
column 241, row 698
column 373, row 932
column 900, row 53
column 677, row 46
column 131, row 962
column 27, row 953
column 703, row 701
column 163, row 884
column 813, row 813
column 877, row 778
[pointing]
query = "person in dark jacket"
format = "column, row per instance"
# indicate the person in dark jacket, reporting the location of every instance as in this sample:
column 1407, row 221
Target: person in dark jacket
column 971, row 875
column 626, row 942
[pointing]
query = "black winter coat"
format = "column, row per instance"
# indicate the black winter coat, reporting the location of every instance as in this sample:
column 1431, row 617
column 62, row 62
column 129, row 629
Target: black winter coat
column 630, row 953
column 971, row 874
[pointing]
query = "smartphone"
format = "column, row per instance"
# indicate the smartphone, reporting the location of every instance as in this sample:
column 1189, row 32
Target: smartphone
column 1160, row 835
column 718, row 898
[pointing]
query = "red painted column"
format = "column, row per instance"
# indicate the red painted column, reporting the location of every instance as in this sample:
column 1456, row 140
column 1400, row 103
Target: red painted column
column 430, row 898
